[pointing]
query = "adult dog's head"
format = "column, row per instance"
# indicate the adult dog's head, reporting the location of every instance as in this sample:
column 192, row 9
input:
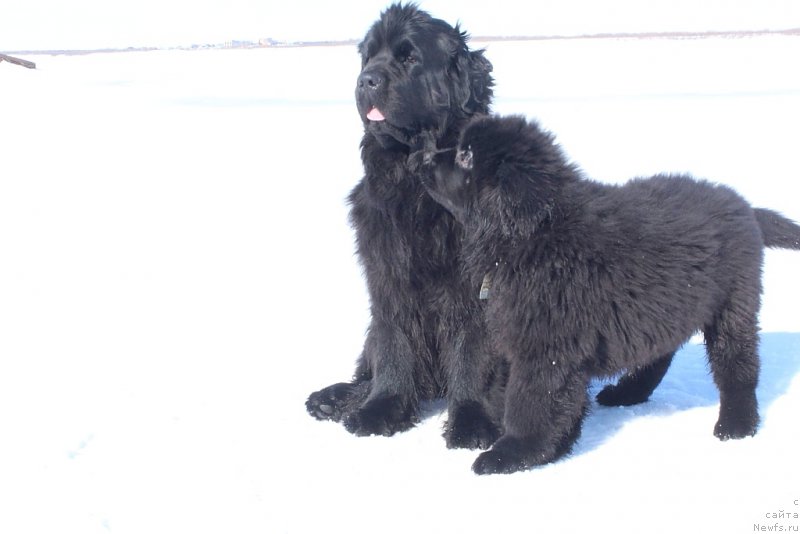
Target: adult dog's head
column 417, row 74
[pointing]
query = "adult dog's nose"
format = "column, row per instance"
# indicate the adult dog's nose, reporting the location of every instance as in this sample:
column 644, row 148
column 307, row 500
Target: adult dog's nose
column 369, row 80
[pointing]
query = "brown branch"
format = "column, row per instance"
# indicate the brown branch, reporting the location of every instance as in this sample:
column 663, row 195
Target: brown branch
column 16, row 61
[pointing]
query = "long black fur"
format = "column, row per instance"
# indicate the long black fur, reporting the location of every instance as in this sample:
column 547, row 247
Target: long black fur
column 425, row 339
column 591, row 280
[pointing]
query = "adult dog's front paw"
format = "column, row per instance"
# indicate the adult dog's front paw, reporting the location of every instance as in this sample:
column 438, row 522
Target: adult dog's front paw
column 382, row 416
column 469, row 427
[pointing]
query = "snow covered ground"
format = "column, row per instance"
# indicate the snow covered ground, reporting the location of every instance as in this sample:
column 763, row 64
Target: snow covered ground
column 177, row 275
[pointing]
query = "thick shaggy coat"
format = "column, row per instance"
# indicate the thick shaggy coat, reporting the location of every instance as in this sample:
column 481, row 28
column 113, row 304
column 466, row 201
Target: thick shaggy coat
column 583, row 279
column 426, row 338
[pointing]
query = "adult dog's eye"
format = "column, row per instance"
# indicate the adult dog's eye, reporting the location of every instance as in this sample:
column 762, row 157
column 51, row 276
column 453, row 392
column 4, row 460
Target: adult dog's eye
column 410, row 59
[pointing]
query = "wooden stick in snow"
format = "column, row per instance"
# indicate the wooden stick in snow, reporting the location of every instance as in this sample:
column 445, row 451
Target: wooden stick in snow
column 16, row 61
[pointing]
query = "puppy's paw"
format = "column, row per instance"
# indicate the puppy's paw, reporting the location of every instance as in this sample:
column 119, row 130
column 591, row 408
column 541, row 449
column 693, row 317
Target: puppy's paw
column 469, row 427
column 420, row 160
column 738, row 415
column 498, row 462
column 382, row 416
column 508, row 455
column 426, row 141
column 619, row 395
column 736, row 427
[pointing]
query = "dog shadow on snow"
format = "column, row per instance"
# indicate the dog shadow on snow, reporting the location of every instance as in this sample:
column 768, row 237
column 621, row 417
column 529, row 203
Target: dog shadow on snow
column 688, row 384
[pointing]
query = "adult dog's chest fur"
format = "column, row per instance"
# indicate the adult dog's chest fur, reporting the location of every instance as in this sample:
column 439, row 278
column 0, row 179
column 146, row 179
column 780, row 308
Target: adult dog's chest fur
column 399, row 228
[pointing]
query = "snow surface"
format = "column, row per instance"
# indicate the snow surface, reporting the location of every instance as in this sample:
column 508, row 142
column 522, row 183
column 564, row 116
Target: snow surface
column 177, row 275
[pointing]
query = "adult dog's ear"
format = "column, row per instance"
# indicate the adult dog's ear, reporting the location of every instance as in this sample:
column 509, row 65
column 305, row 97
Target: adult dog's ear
column 481, row 82
column 472, row 79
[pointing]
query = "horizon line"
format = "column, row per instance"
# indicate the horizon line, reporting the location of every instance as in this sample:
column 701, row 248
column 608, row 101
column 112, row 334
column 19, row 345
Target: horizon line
column 267, row 43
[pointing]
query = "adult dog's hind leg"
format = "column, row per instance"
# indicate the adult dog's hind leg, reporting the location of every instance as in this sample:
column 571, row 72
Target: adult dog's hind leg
column 475, row 384
column 337, row 400
column 636, row 386
column 392, row 403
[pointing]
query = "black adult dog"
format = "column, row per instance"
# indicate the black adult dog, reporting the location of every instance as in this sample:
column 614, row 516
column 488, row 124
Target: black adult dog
column 425, row 339
column 584, row 279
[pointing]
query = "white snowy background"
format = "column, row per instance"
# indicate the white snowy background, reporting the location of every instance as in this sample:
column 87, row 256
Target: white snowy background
column 177, row 275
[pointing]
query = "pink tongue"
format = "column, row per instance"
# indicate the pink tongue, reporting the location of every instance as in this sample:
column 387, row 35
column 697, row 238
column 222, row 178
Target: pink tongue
column 375, row 115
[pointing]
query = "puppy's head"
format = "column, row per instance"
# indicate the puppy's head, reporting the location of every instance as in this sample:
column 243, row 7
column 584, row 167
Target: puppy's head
column 505, row 172
column 459, row 177
column 448, row 179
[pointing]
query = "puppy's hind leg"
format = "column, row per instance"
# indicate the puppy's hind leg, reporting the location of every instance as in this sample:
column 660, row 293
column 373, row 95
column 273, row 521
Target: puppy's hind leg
column 732, row 346
column 636, row 386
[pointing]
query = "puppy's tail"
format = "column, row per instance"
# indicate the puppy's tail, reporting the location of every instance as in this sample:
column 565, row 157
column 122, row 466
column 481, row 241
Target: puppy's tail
column 777, row 230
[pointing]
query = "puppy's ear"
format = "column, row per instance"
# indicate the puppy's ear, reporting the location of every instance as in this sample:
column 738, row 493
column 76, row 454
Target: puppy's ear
column 519, row 206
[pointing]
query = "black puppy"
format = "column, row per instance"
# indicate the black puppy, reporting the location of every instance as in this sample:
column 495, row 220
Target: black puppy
column 425, row 337
column 582, row 279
